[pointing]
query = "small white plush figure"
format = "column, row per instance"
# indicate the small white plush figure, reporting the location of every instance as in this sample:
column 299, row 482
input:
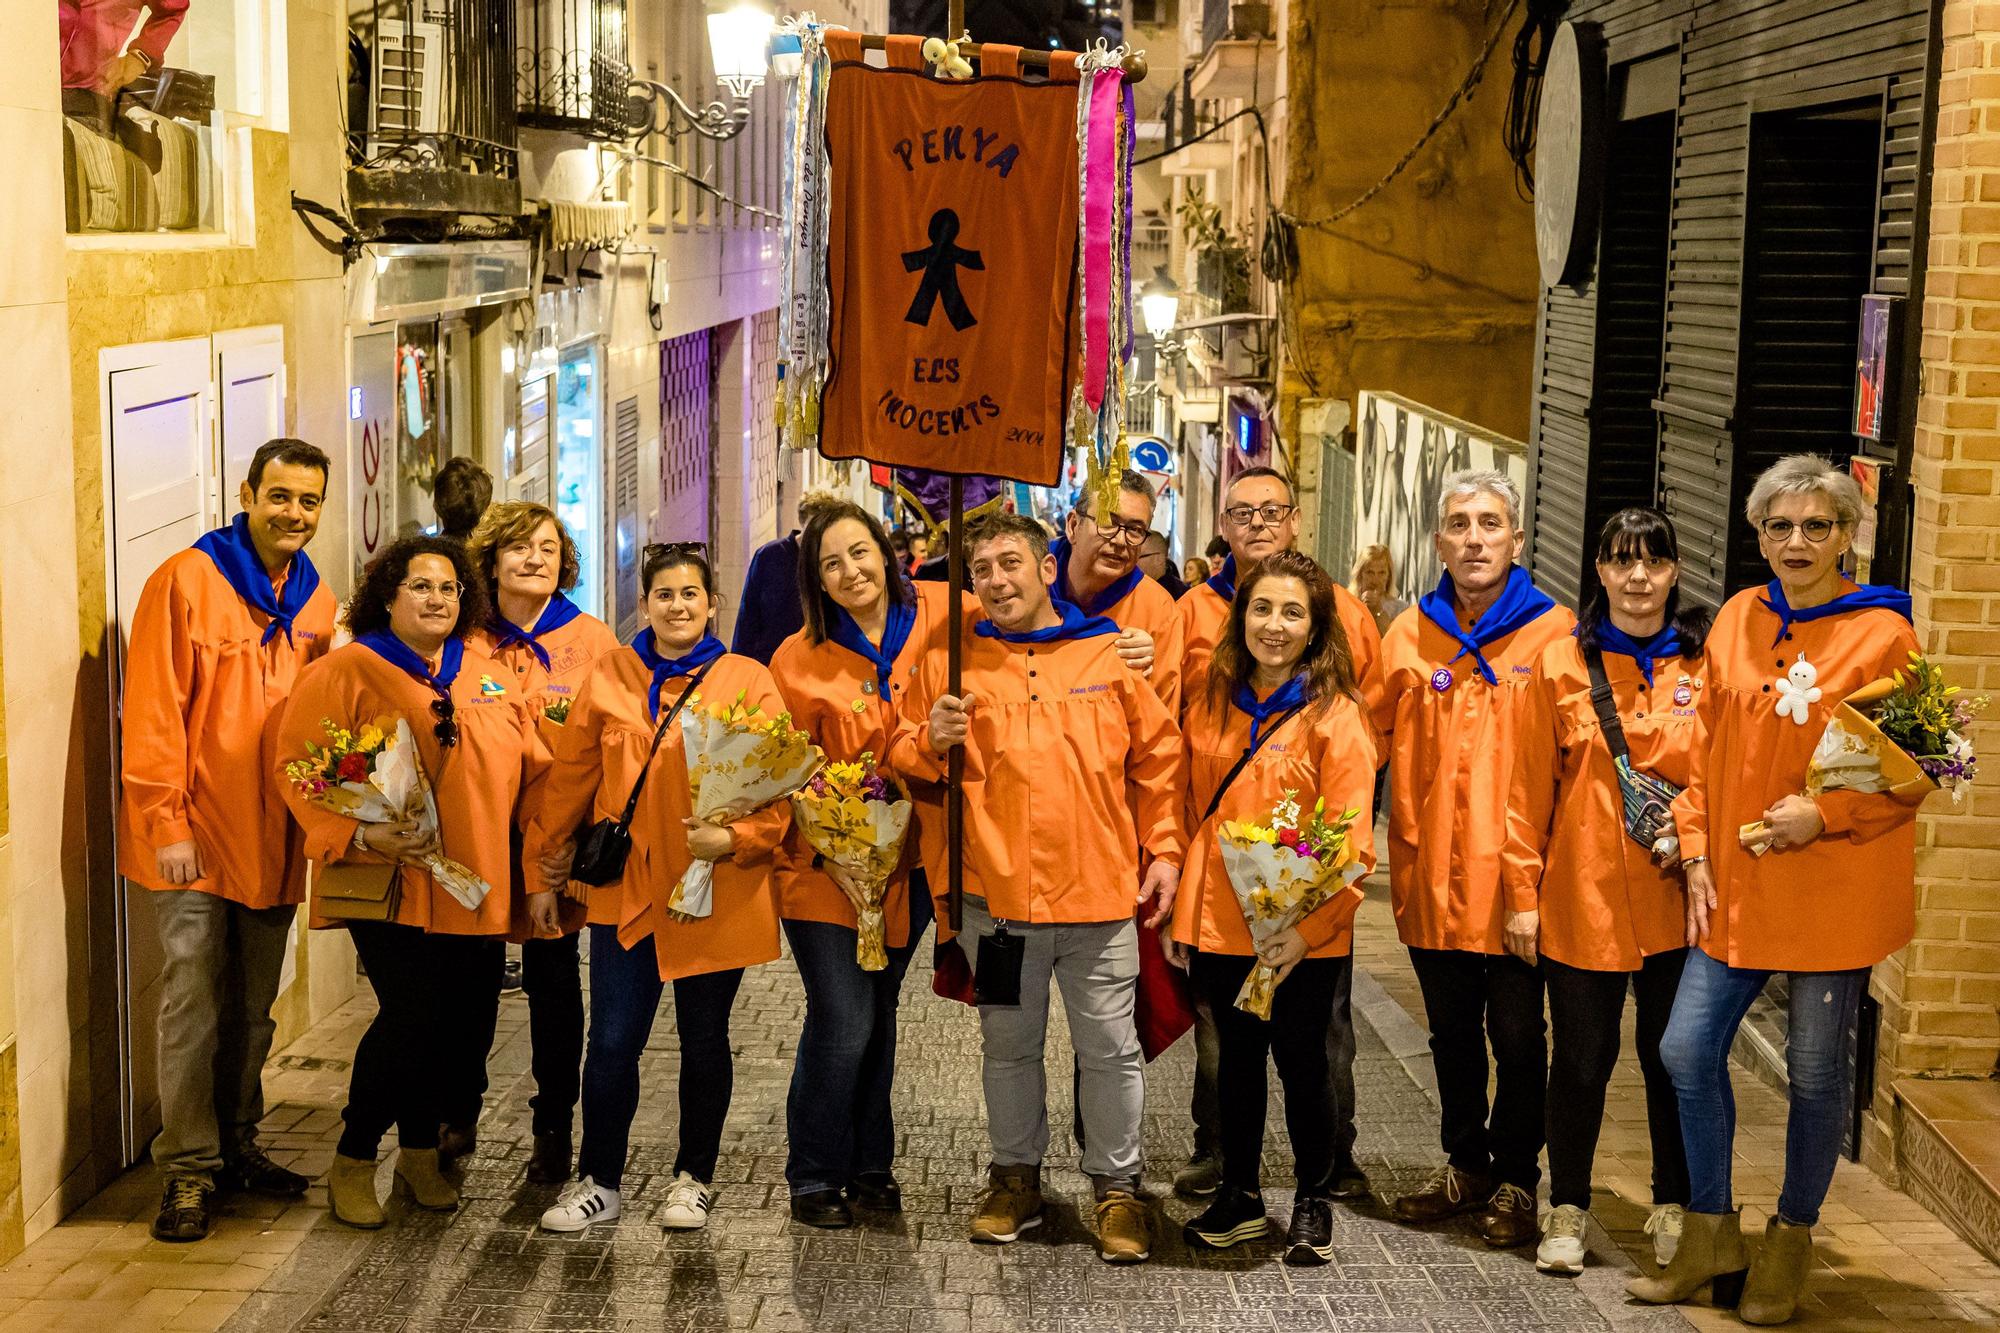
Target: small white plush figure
column 1797, row 690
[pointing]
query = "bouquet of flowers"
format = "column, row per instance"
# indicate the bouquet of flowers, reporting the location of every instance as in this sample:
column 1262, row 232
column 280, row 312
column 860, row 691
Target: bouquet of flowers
column 738, row 761
column 373, row 775
column 856, row 820
column 556, row 710
column 1282, row 872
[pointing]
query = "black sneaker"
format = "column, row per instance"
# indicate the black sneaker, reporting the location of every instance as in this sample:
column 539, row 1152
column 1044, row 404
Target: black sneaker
column 249, row 1171
column 1233, row 1218
column 1349, row 1182
column 184, row 1209
column 1309, row 1240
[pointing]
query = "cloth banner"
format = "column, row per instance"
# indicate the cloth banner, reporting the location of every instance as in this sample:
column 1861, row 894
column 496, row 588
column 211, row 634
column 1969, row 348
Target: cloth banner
column 952, row 267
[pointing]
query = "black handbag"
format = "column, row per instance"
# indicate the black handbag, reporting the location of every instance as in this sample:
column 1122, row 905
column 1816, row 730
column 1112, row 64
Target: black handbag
column 601, row 851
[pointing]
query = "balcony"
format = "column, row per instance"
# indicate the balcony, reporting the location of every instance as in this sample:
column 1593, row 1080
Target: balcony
column 144, row 159
column 431, row 92
column 1239, row 58
column 570, row 71
column 1184, row 118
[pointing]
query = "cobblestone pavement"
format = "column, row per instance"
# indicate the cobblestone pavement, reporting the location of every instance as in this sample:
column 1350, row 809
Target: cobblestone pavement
column 1883, row 1262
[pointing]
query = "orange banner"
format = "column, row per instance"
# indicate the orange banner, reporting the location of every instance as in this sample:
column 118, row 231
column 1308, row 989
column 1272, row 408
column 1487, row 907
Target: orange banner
column 952, row 270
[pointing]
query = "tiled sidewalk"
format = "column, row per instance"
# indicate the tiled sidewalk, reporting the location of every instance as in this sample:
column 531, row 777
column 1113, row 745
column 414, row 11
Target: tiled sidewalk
column 486, row 1266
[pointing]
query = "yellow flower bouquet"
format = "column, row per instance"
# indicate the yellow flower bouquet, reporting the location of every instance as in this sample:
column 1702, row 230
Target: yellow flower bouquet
column 739, row 761
column 1283, row 872
column 856, row 820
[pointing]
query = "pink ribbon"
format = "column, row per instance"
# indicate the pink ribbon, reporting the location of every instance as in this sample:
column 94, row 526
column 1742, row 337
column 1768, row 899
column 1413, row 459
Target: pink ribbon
column 1100, row 199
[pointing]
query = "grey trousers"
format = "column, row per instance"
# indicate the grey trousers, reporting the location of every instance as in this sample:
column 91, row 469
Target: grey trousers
column 1097, row 967
column 223, row 961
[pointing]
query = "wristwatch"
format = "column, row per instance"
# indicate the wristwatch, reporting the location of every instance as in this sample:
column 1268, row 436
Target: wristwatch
column 1693, row 861
column 360, row 844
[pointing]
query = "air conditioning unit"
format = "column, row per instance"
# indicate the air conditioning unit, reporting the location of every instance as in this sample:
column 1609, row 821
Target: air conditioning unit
column 407, row 91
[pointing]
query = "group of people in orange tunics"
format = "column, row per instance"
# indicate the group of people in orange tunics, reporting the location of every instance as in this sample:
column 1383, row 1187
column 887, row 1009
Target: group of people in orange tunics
column 1108, row 733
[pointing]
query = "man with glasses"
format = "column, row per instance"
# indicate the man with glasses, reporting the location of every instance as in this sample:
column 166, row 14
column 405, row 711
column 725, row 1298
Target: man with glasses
column 1259, row 517
column 1097, row 569
column 221, row 632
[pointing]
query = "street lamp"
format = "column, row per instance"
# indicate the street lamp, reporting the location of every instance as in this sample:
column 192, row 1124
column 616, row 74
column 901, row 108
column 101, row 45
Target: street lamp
column 739, row 42
column 1160, row 307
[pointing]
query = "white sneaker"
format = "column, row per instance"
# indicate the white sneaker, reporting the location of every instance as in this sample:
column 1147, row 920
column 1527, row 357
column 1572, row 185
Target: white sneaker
column 582, row 1203
column 1664, row 1226
column 687, row 1204
column 1561, row 1250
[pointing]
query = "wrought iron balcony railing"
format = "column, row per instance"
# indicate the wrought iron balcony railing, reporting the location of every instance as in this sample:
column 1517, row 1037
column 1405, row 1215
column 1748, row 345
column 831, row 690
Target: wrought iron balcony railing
column 571, row 70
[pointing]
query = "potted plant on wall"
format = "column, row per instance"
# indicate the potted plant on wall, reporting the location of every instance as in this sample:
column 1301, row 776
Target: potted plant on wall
column 1222, row 259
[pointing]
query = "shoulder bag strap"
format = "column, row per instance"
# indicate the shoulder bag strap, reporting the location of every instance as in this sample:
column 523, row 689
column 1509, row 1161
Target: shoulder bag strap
column 1243, row 760
column 632, row 802
column 1607, row 710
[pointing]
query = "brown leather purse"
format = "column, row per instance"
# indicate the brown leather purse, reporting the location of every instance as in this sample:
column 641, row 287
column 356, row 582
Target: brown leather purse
column 356, row 891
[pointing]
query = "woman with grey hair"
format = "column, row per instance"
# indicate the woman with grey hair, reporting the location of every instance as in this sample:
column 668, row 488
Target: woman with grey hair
column 1817, row 887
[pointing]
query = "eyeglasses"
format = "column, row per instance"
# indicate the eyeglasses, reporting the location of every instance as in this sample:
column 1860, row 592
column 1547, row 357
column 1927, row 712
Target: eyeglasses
column 446, row 729
column 669, row 550
column 1244, row 516
column 1129, row 531
column 1779, row 530
column 451, row 590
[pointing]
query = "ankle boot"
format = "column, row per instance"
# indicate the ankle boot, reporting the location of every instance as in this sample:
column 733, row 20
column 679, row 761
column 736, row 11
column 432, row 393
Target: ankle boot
column 1711, row 1251
column 1778, row 1274
column 417, row 1169
column 350, row 1189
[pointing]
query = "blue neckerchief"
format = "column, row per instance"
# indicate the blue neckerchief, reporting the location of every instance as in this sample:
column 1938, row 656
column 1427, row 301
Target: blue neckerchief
column 399, row 654
column 235, row 555
column 1663, row 643
column 1074, row 625
column 1283, row 700
column 665, row 669
column 559, row 612
column 1223, row 581
column 1521, row 603
column 1111, row 596
column 895, row 633
column 1863, row 597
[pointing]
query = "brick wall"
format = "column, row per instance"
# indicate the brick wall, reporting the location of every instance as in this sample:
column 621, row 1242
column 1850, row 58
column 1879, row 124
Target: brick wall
column 1941, row 996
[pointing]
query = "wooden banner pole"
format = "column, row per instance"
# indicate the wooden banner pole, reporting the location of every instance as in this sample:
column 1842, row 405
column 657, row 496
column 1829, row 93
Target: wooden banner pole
column 954, row 664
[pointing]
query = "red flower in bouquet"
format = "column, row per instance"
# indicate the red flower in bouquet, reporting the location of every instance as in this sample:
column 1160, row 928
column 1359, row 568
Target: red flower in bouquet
column 353, row 768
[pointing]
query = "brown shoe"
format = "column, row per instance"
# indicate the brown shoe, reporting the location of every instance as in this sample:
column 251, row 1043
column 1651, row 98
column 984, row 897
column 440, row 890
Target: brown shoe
column 1010, row 1204
column 1124, row 1228
column 1447, row 1193
column 1509, row 1218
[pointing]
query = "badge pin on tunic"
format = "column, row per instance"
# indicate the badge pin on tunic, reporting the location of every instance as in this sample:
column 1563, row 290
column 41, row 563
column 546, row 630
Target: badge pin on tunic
column 1441, row 680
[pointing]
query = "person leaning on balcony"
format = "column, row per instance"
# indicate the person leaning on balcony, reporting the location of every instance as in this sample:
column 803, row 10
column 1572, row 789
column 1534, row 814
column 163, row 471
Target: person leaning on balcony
column 220, row 635
column 1458, row 668
column 478, row 747
column 546, row 646
column 96, row 55
column 1282, row 693
column 1611, row 912
column 636, row 945
column 1820, row 888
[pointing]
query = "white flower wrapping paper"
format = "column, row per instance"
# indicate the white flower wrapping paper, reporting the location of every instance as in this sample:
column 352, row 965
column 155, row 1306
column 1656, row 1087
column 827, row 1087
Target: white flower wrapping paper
column 735, row 767
column 1277, row 888
column 397, row 790
column 865, row 839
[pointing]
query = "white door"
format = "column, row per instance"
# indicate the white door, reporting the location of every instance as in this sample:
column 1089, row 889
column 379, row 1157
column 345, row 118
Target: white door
column 250, row 406
column 160, row 441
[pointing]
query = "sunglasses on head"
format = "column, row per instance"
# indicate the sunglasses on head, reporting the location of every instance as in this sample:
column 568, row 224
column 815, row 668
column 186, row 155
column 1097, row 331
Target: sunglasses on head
column 669, row 550
column 446, row 729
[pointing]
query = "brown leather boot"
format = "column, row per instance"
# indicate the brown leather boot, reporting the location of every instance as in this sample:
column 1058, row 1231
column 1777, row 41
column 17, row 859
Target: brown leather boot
column 350, row 1189
column 1447, row 1193
column 417, row 1170
column 1777, row 1274
column 1711, row 1251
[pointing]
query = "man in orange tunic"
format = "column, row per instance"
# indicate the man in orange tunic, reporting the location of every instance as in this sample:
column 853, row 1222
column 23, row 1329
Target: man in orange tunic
column 221, row 632
column 1062, row 744
column 1457, row 671
column 1097, row 570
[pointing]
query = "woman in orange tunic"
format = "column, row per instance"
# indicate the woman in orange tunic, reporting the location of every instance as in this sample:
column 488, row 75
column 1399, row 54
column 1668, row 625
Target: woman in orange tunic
column 477, row 744
column 1818, row 887
column 547, row 645
column 843, row 675
column 1609, row 911
column 1284, row 696
column 636, row 945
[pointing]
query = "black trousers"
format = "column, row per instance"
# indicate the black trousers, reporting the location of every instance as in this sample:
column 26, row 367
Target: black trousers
column 466, row 1066
column 1469, row 999
column 552, row 977
column 1585, row 1009
column 1295, row 1038
column 431, row 1025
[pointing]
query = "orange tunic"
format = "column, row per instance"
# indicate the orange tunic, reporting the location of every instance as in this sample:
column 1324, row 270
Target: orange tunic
column 481, row 783
column 1329, row 756
column 833, row 696
column 1452, row 755
column 199, row 731
column 1153, row 609
column 1847, row 899
column 1605, row 906
column 599, row 755
column 1066, row 744
column 1205, row 616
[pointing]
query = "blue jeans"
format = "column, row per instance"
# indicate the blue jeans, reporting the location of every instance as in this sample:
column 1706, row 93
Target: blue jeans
column 1709, row 1007
column 625, row 989
column 838, row 1117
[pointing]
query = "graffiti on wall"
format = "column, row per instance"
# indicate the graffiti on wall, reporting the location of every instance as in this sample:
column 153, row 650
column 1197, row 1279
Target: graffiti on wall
column 1403, row 453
